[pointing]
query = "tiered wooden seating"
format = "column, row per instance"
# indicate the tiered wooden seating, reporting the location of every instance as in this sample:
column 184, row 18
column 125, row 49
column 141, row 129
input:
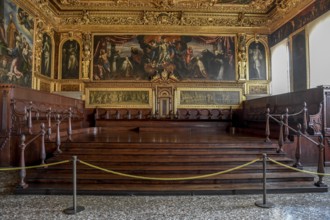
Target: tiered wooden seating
column 166, row 154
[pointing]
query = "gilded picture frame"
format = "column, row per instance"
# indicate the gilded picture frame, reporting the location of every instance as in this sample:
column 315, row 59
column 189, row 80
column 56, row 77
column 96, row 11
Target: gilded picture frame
column 208, row 98
column 119, row 98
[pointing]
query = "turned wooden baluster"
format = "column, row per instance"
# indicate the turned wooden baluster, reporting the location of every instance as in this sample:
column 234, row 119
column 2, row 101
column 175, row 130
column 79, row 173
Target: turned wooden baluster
column 49, row 123
column 26, row 115
column 117, row 114
column 305, row 126
column 58, row 135
column 96, row 115
column 139, row 115
column 70, row 125
column 320, row 167
column 177, row 114
column 286, row 128
column 29, row 117
column 298, row 148
column 43, row 148
column 267, row 131
column 129, row 116
column 22, row 172
column 280, row 137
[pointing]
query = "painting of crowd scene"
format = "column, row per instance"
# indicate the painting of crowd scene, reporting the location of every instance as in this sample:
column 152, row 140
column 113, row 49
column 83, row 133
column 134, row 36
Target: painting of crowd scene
column 142, row 57
column 16, row 43
column 117, row 98
column 209, row 98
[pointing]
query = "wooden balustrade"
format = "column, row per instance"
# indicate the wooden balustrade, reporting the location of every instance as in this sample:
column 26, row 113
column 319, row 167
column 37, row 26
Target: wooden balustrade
column 23, row 109
column 320, row 167
column 298, row 164
column 23, row 146
column 282, row 123
column 284, row 119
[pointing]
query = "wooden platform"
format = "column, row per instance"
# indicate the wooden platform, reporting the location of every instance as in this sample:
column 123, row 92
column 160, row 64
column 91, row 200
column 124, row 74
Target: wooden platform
column 153, row 153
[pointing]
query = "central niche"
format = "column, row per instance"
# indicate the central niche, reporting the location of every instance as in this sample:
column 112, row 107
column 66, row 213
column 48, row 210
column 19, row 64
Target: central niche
column 164, row 101
column 142, row 57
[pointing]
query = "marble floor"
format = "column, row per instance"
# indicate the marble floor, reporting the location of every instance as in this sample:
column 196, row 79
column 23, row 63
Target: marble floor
column 287, row 206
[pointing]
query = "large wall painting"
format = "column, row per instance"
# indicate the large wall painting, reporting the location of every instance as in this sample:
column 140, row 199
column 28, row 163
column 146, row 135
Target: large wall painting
column 16, row 43
column 299, row 61
column 142, row 57
column 46, row 55
column 257, row 61
column 118, row 98
column 70, row 60
column 208, row 98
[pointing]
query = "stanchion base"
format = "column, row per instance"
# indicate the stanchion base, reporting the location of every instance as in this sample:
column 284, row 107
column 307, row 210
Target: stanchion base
column 71, row 211
column 267, row 205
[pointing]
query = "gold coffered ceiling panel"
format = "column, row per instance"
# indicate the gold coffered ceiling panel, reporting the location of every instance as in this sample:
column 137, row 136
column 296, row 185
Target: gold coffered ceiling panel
column 209, row 16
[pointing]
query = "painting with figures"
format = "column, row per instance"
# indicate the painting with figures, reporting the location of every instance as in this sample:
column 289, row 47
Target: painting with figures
column 46, row 55
column 16, row 44
column 70, row 60
column 257, row 61
column 142, row 57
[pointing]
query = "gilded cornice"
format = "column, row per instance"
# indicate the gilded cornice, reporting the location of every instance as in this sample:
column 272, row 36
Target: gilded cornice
column 255, row 6
column 147, row 84
column 262, row 16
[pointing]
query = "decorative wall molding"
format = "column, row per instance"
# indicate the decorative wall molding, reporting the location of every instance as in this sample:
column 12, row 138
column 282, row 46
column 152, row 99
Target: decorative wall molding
column 264, row 15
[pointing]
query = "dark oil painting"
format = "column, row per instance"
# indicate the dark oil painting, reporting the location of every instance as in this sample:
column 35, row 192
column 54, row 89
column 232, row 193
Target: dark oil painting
column 70, row 60
column 299, row 61
column 257, row 61
column 16, row 43
column 142, row 57
column 46, row 55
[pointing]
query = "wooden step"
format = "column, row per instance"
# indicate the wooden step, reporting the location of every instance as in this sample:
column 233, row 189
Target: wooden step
column 173, row 189
column 167, row 155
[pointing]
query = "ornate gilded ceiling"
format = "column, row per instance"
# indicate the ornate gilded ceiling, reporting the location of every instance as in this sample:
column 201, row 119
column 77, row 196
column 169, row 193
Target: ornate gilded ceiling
column 209, row 16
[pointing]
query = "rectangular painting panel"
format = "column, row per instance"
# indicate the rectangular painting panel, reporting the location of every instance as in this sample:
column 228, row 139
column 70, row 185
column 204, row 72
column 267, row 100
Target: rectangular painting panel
column 299, row 61
column 118, row 98
column 208, row 98
column 257, row 89
column 142, row 57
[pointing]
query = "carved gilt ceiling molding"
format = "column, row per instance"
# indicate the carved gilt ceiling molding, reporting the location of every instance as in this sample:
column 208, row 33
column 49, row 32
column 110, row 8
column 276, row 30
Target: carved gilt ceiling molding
column 250, row 16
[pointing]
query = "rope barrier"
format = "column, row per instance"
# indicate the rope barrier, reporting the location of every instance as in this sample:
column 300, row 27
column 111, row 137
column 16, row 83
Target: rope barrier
column 37, row 166
column 296, row 169
column 169, row 179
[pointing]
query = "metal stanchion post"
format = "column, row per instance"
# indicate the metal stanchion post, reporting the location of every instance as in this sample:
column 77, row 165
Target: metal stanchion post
column 75, row 209
column 264, row 203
